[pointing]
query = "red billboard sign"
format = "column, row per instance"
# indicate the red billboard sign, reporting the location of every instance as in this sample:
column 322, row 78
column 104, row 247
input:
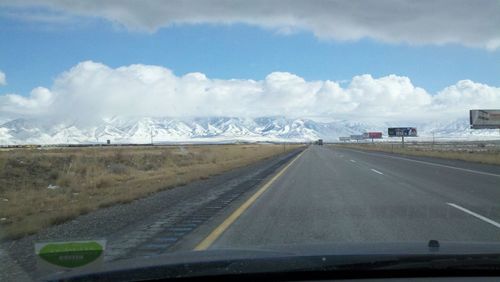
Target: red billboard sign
column 374, row 135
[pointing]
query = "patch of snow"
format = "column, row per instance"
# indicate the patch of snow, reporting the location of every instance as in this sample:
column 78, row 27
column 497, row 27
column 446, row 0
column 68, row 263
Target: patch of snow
column 52, row 187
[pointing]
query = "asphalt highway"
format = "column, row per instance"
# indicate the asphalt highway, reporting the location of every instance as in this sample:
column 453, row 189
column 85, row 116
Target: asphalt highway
column 318, row 195
column 333, row 195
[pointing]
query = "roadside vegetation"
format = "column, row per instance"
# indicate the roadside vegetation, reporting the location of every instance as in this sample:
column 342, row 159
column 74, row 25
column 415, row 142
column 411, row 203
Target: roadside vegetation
column 43, row 187
column 479, row 152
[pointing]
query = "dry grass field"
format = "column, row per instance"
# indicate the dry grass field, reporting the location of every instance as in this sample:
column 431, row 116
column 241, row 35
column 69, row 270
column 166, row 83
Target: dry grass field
column 43, row 187
column 476, row 153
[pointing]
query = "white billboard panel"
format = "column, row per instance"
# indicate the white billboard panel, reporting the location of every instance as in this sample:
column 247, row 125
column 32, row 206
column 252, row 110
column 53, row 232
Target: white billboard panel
column 484, row 119
column 357, row 137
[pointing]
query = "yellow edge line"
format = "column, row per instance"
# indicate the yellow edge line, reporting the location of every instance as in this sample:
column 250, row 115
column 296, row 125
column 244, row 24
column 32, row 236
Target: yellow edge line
column 215, row 234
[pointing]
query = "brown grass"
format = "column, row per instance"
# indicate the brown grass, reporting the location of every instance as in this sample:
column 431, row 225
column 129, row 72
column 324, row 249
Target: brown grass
column 479, row 156
column 92, row 178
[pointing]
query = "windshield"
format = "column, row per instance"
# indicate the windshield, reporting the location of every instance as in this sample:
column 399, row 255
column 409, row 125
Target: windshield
column 142, row 129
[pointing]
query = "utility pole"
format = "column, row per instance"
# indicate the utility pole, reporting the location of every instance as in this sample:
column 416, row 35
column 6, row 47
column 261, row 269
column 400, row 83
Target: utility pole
column 433, row 140
column 151, row 136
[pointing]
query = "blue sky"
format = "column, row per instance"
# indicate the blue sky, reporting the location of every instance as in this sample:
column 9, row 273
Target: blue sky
column 33, row 55
column 358, row 60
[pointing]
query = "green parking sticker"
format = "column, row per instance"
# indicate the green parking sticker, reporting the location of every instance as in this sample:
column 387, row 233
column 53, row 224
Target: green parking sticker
column 70, row 254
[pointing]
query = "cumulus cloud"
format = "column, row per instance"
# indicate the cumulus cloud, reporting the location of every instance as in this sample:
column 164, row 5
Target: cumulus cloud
column 93, row 90
column 3, row 79
column 38, row 102
column 468, row 22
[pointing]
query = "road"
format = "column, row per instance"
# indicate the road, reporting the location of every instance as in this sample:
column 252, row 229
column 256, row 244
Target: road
column 342, row 195
column 318, row 195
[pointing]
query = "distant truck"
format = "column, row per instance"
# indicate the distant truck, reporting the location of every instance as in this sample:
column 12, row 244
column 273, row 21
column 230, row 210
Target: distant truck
column 320, row 142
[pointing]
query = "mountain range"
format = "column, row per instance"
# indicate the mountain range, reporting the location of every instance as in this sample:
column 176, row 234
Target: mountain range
column 212, row 130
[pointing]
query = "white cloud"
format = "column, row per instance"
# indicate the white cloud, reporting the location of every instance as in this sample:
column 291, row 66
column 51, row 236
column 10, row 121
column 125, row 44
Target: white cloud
column 39, row 102
column 94, row 90
column 464, row 95
column 467, row 22
column 3, row 79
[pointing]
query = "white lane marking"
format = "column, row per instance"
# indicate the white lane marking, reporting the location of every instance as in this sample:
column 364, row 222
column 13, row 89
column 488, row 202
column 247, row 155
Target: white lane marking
column 434, row 164
column 353, row 161
column 374, row 170
column 483, row 218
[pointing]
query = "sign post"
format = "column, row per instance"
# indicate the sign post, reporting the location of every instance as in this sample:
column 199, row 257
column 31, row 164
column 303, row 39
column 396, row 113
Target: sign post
column 356, row 137
column 402, row 132
column 373, row 135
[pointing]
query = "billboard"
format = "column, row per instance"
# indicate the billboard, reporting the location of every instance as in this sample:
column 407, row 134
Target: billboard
column 344, row 139
column 484, row 119
column 402, row 131
column 357, row 137
column 374, row 135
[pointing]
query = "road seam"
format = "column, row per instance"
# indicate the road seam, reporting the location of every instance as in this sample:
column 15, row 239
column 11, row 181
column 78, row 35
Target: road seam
column 483, row 218
column 429, row 163
column 217, row 232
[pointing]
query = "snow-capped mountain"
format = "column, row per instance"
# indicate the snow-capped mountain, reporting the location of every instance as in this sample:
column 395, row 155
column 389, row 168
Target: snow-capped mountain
column 212, row 129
